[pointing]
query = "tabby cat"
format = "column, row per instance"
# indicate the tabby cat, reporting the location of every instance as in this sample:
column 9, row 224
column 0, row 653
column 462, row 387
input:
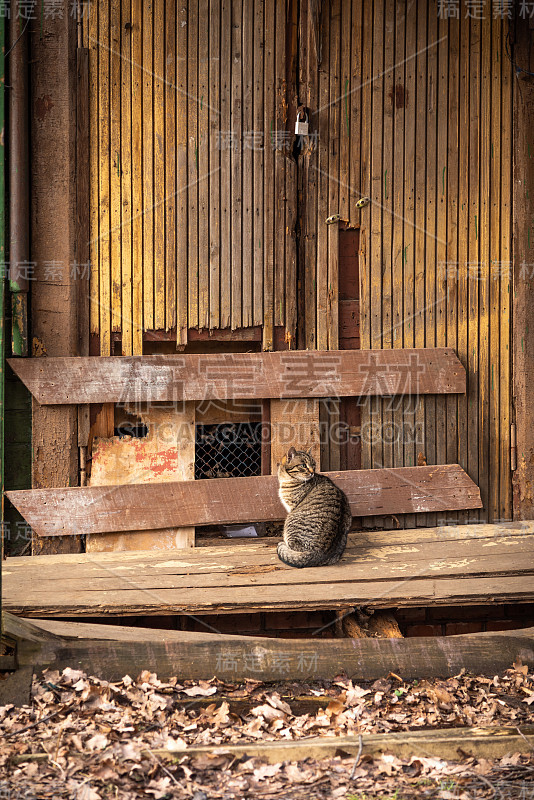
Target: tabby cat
column 319, row 518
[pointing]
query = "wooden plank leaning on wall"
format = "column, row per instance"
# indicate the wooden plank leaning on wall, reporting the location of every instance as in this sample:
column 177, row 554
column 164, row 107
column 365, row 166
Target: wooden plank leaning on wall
column 53, row 224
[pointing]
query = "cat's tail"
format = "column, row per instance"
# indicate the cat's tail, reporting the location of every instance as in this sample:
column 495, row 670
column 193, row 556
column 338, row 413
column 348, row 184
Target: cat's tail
column 310, row 558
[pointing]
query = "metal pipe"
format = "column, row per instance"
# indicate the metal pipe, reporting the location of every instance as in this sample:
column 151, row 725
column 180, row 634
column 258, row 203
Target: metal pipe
column 2, row 287
column 19, row 185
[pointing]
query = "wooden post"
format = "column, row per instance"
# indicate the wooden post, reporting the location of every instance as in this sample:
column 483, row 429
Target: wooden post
column 53, row 225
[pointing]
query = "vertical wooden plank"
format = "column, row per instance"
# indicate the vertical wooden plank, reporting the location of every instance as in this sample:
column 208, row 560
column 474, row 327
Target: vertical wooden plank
column 294, row 423
column 257, row 153
column 441, row 227
column 182, row 195
column 83, row 221
column 399, row 101
column 104, row 176
column 463, row 221
column 377, row 203
column 523, row 287
column 291, row 254
column 159, row 165
column 322, row 183
column 268, row 205
column 334, row 195
column 484, row 368
column 334, row 183
column 430, row 225
column 308, row 189
column 449, row 275
column 389, row 285
column 344, row 89
column 410, row 455
column 291, row 189
column 247, row 49
column 137, row 176
column 83, row 224
column 365, row 217
column 203, row 165
column 355, row 110
column 507, row 208
column 214, row 56
column 94, row 168
column 148, row 166
column 279, row 148
column 420, row 216
column 495, row 274
column 115, row 200
column 225, row 156
column 192, row 160
column 236, row 126
column 126, row 177
column 170, row 126
column 474, row 255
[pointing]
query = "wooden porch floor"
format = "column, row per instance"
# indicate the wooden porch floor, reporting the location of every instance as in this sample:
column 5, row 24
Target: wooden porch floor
column 425, row 566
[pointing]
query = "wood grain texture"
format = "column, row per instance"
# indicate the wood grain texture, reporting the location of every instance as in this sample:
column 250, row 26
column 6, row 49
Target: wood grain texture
column 166, row 453
column 95, row 509
column 442, row 200
column 241, row 375
column 112, row 651
column 523, row 330
column 53, row 236
column 489, row 562
column 294, row 423
column 201, row 119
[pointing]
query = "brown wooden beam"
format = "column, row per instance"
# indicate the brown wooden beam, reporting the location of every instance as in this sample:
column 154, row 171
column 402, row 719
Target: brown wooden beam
column 300, row 374
column 54, row 254
column 107, row 509
column 195, row 656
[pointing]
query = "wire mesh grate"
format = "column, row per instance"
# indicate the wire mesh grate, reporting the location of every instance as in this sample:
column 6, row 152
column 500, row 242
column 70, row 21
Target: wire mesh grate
column 228, row 450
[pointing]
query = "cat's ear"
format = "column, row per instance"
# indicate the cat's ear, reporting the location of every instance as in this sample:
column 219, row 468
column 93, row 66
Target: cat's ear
column 291, row 452
column 309, row 452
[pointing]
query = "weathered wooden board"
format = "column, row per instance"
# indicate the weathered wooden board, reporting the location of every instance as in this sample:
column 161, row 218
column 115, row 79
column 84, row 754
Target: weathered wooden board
column 467, row 564
column 120, row 650
column 490, row 742
column 335, row 373
column 129, row 507
column 166, row 453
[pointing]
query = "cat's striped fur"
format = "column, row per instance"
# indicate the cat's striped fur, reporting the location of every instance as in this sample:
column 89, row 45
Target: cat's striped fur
column 319, row 517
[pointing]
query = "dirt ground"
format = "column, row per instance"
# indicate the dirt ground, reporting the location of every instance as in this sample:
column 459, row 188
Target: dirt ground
column 89, row 739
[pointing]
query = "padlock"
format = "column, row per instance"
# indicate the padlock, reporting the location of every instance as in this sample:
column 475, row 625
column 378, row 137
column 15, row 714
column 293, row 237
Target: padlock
column 302, row 125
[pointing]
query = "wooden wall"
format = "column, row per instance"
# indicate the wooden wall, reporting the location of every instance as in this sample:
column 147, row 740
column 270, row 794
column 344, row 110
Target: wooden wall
column 409, row 109
column 192, row 180
column 415, row 112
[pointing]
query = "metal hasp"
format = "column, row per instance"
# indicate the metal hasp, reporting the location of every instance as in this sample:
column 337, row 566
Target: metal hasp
column 19, row 194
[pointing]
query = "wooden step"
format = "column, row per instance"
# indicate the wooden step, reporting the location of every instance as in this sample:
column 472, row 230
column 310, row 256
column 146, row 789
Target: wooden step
column 455, row 565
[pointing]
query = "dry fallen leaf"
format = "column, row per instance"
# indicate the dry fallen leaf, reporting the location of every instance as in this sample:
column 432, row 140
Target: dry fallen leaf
column 266, row 771
column 268, row 712
column 200, row 691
